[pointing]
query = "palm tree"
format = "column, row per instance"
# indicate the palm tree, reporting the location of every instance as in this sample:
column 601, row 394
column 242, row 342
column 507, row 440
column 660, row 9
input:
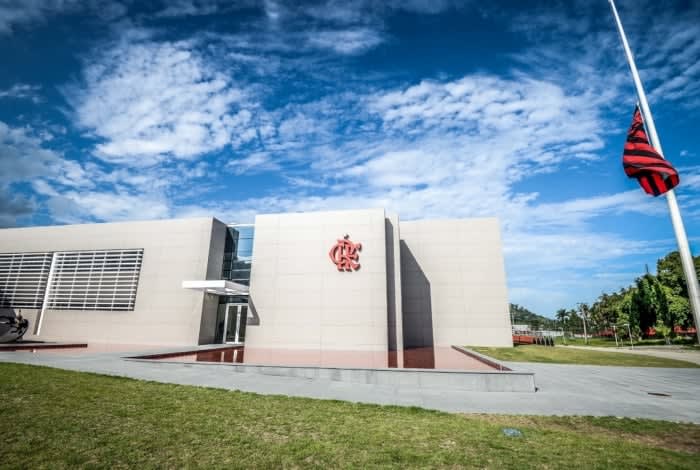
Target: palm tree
column 585, row 312
column 562, row 315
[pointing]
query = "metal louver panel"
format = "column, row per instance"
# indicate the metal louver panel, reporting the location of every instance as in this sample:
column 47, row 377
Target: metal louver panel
column 23, row 278
column 95, row 280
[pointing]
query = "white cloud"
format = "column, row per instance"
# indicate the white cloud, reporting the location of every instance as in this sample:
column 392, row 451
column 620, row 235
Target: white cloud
column 341, row 28
column 488, row 129
column 149, row 101
column 75, row 192
column 335, row 11
column 22, row 91
column 13, row 207
column 369, row 11
column 537, row 111
column 302, row 182
column 576, row 213
column 175, row 8
column 16, row 14
column 664, row 37
column 77, row 206
column 254, row 163
column 667, row 46
column 106, row 206
column 273, row 10
column 350, row 41
column 549, row 271
column 23, row 157
column 566, row 250
column 466, row 141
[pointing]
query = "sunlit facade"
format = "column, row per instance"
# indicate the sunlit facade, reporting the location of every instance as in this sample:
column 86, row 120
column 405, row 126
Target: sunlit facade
column 357, row 280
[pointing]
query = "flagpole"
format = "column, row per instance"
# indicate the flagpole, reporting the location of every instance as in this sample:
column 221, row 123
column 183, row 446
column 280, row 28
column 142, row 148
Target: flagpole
column 681, row 237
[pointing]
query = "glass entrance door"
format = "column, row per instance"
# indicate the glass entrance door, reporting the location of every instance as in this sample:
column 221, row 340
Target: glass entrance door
column 236, row 319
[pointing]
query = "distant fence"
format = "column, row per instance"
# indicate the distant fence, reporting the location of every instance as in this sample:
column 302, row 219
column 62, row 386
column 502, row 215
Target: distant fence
column 610, row 333
column 533, row 339
column 677, row 330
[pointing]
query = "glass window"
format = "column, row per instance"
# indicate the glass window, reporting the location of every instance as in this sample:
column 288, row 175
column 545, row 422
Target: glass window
column 238, row 253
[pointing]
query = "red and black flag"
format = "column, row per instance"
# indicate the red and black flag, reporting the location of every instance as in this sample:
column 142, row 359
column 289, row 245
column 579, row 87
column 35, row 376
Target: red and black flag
column 655, row 175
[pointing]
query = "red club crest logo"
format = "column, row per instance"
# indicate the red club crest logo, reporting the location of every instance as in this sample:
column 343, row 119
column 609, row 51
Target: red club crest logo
column 344, row 254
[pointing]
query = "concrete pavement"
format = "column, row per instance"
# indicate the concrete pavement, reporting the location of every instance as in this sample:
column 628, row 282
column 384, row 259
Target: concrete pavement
column 562, row 389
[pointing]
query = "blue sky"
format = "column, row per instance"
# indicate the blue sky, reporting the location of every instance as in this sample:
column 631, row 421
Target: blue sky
column 122, row 110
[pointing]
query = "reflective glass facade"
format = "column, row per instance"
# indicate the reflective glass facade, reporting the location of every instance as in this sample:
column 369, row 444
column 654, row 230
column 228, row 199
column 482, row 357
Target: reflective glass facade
column 238, row 253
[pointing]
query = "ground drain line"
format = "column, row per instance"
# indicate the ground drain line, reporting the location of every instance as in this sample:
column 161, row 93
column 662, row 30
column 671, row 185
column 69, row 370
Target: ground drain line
column 659, row 394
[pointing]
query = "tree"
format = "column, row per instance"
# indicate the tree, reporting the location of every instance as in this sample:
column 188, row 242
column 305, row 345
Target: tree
column 562, row 316
column 522, row 315
column 664, row 331
column 649, row 301
column 585, row 312
column 670, row 273
column 573, row 321
column 626, row 315
column 653, row 300
column 608, row 307
column 678, row 311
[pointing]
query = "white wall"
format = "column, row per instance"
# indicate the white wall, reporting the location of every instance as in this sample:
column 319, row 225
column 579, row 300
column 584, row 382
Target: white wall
column 164, row 313
column 454, row 283
column 300, row 298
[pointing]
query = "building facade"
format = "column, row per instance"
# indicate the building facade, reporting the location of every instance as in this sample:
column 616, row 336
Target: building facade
column 329, row 282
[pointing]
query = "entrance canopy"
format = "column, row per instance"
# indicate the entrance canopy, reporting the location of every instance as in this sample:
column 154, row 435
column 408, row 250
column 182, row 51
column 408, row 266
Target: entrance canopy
column 218, row 287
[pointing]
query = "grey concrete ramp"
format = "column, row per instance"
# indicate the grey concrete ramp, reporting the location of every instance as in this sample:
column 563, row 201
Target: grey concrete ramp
column 441, row 380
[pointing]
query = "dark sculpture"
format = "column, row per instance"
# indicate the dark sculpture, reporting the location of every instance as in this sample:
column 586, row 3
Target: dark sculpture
column 12, row 327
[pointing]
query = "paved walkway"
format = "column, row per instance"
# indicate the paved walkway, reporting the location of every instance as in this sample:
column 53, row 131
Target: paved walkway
column 667, row 352
column 563, row 389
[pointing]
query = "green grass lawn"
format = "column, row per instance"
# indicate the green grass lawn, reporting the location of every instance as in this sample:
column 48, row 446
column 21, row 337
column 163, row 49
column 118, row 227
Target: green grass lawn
column 564, row 355
column 56, row 419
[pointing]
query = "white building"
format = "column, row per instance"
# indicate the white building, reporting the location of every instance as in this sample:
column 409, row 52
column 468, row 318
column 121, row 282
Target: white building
column 327, row 282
